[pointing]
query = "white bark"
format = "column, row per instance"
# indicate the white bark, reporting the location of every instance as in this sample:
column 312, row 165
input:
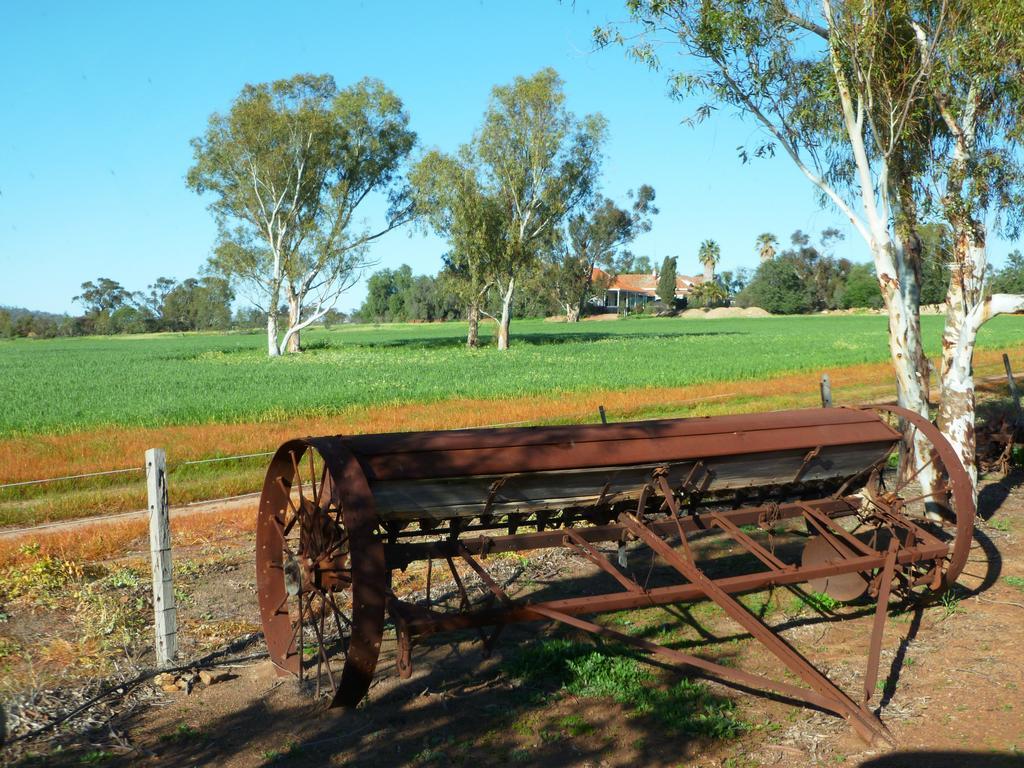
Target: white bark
column 291, row 338
column 506, row 314
column 957, row 407
column 872, row 184
column 273, row 350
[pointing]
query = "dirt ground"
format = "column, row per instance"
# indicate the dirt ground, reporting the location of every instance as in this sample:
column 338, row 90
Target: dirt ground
column 952, row 691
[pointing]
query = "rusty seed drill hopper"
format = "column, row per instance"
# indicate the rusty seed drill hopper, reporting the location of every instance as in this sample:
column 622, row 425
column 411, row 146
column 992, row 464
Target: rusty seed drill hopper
column 339, row 515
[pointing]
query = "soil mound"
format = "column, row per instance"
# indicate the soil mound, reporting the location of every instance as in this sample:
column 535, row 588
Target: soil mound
column 717, row 312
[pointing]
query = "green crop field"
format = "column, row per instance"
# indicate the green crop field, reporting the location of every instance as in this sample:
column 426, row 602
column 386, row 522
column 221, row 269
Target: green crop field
column 65, row 385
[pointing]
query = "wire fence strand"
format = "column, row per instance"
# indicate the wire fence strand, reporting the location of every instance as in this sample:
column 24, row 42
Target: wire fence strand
column 236, row 457
column 73, row 477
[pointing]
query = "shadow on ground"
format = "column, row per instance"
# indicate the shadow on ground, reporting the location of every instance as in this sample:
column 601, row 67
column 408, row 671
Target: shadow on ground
column 927, row 759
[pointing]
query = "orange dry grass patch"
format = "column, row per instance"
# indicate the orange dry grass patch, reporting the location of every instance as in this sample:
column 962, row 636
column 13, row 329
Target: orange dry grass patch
column 27, row 458
column 106, row 539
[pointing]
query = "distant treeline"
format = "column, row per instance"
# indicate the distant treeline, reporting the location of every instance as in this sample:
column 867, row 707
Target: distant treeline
column 194, row 304
column 800, row 279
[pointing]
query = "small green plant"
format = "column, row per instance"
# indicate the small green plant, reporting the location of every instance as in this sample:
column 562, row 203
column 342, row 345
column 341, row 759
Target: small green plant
column 999, row 525
column 758, row 602
column 817, row 601
column 9, row 647
column 123, row 578
column 183, row 732
column 428, row 755
column 95, row 757
column 43, row 581
column 1017, row 582
column 575, row 725
column 950, row 603
column 683, row 708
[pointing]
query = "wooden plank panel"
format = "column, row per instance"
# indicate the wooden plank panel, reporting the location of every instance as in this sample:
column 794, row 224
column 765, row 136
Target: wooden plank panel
column 409, row 500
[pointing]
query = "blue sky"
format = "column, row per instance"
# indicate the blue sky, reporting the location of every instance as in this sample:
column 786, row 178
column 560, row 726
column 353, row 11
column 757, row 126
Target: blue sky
column 100, row 101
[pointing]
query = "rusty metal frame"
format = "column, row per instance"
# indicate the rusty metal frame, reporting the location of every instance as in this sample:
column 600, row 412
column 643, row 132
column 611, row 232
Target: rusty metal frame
column 654, row 515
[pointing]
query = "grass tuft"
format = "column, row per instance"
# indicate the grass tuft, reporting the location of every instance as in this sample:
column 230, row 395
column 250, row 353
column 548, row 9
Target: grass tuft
column 683, row 708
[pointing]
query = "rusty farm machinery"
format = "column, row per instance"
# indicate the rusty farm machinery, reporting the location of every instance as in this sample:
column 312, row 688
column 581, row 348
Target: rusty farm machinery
column 339, row 515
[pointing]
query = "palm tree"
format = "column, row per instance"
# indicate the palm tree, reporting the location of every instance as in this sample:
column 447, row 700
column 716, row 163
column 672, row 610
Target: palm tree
column 708, row 256
column 766, row 243
column 709, row 294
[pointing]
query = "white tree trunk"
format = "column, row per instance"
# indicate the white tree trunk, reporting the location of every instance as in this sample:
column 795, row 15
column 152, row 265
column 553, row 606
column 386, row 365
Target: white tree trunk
column 966, row 312
column 506, row 314
column 572, row 313
column 294, row 317
column 273, row 350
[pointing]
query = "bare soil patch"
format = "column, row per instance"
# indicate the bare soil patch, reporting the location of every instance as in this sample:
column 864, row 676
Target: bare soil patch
column 953, row 674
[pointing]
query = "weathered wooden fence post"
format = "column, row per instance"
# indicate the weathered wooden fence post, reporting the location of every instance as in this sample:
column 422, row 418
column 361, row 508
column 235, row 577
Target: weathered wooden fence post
column 826, row 391
column 164, row 610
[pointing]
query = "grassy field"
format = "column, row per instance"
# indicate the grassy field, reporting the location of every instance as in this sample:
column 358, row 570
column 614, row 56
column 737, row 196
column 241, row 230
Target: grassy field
column 64, row 386
column 84, row 405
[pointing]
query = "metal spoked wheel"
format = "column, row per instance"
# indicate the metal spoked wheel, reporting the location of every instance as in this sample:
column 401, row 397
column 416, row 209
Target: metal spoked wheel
column 935, row 494
column 320, row 569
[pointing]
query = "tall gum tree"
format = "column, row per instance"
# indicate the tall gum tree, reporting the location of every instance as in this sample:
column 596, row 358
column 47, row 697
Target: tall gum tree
column 974, row 53
column 451, row 199
column 540, row 163
column 287, row 166
column 804, row 72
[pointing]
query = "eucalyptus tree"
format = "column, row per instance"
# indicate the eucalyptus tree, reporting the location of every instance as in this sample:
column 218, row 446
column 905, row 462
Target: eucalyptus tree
column 878, row 104
column 540, row 163
column 451, row 198
column 787, row 65
column 593, row 237
column 709, row 255
column 288, row 167
column 974, row 55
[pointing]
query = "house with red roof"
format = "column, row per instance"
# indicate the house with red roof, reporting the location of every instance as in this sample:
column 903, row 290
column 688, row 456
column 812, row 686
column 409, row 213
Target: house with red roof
column 625, row 292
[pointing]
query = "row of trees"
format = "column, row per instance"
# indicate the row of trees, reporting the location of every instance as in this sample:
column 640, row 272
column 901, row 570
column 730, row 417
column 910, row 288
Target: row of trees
column 396, row 295
column 805, row 277
column 291, row 162
column 194, row 304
